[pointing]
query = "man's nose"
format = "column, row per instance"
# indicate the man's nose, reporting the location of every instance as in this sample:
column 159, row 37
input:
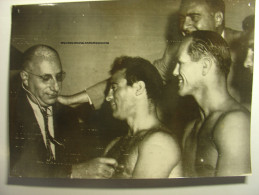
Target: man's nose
column 187, row 23
column 176, row 70
column 249, row 61
column 109, row 97
column 55, row 85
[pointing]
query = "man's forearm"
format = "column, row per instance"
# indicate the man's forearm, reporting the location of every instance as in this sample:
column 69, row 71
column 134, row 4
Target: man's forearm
column 97, row 93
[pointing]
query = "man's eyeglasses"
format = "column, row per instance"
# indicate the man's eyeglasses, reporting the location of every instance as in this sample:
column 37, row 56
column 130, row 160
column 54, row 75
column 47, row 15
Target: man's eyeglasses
column 48, row 77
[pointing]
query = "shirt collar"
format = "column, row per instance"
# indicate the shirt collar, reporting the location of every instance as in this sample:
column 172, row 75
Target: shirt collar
column 223, row 34
column 37, row 107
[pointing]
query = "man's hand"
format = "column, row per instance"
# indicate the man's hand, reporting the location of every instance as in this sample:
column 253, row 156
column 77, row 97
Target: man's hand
column 74, row 100
column 96, row 168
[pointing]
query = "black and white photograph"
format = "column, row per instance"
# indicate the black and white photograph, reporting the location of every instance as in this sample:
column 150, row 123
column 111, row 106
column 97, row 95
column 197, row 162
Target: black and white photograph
column 131, row 89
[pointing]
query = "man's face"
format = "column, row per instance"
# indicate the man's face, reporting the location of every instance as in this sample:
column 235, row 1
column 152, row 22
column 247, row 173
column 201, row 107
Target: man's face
column 196, row 15
column 121, row 96
column 45, row 90
column 249, row 60
column 187, row 71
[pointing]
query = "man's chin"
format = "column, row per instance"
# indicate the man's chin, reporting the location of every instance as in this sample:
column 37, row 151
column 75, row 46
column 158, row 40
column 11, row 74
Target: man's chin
column 118, row 116
column 50, row 102
column 181, row 92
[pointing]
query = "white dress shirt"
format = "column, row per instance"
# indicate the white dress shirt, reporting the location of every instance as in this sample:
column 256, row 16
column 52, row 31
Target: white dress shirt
column 40, row 120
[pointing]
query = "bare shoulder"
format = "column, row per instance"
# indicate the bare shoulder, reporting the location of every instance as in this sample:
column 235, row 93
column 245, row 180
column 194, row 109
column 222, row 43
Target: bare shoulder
column 231, row 136
column 158, row 155
column 163, row 140
column 232, row 125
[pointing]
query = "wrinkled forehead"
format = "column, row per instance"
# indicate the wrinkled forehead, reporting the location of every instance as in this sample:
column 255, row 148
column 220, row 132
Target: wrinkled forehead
column 43, row 65
column 194, row 6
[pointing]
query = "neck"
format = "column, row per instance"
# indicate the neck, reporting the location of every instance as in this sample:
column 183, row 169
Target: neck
column 212, row 98
column 220, row 30
column 33, row 98
column 143, row 119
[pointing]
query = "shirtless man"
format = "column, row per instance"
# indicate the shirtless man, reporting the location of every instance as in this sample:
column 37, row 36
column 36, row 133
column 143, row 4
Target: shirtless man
column 149, row 150
column 218, row 142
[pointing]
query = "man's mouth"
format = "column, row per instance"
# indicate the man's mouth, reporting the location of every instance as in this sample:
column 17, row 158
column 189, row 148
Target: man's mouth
column 189, row 31
column 113, row 105
column 180, row 82
column 53, row 95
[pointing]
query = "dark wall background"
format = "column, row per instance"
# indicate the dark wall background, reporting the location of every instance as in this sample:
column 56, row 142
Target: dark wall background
column 135, row 28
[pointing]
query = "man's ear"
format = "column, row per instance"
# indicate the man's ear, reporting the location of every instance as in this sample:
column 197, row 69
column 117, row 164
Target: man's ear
column 206, row 66
column 139, row 87
column 218, row 17
column 24, row 76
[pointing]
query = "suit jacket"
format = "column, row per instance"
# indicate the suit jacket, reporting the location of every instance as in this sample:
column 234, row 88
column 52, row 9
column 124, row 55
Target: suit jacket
column 231, row 35
column 28, row 154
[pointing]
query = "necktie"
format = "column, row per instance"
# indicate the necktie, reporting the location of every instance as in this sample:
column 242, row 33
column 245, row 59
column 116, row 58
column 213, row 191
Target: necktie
column 50, row 155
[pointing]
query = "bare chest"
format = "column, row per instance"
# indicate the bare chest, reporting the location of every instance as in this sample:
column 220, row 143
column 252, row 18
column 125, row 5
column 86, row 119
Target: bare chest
column 125, row 151
column 200, row 154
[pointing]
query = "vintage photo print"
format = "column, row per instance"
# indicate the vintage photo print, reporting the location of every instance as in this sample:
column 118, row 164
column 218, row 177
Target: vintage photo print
column 131, row 89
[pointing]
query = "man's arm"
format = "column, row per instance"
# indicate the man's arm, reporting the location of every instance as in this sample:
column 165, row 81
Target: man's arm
column 158, row 155
column 166, row 64
column 232, row 139
column 94, row 94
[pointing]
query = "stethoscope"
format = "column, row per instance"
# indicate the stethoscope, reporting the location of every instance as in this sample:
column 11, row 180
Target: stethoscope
column 42, row 110
column 44, row 113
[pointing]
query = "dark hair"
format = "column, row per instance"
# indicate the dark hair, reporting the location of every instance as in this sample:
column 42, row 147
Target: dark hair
column 216, row 5
column 248, row 23
column 38, row 51
column 209, row 43
column 139, row 69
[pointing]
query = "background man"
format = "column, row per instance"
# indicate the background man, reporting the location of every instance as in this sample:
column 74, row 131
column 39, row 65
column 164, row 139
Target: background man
column 149, row 150
column 218, row 142
column 243, row 72
column 44, row 136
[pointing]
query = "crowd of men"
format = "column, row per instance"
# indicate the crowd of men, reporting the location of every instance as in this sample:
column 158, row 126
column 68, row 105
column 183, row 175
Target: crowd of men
column 207, row 128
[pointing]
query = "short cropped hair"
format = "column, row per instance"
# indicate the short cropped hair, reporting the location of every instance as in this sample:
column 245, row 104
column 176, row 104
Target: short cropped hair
column 209, row 43
column 139, row 69
column 43, row 52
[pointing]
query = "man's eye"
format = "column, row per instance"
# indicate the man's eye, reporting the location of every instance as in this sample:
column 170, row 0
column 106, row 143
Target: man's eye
column 46, row 77
column 195, row 18
column 251, row 47
column 114, row 87
column 60, row 77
